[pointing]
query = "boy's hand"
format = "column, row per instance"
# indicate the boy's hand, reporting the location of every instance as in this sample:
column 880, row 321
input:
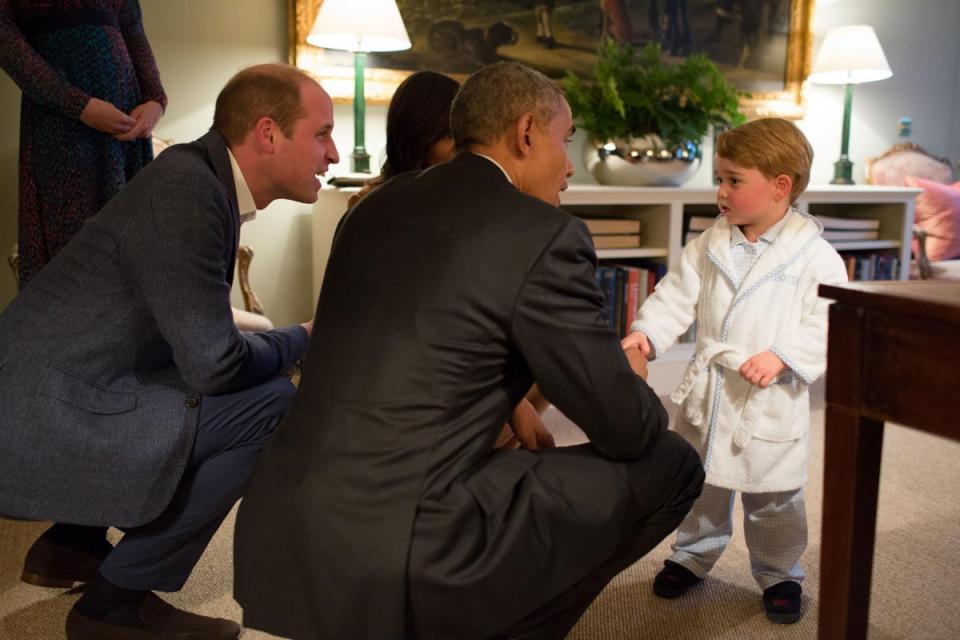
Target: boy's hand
column 639, row 340
column 762, row 368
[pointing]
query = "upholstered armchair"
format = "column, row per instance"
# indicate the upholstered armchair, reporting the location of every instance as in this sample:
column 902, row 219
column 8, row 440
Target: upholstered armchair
column 937, row 221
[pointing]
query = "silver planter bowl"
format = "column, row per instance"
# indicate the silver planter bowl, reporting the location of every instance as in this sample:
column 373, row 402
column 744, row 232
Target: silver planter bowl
column 641, row 162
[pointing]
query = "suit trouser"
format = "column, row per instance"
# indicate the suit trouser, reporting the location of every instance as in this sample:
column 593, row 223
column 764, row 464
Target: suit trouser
column 232, row 429
column 774, row 525
column 667, row 482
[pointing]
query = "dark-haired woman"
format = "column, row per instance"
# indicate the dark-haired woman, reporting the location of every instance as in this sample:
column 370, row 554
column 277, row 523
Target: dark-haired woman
column 418, row 127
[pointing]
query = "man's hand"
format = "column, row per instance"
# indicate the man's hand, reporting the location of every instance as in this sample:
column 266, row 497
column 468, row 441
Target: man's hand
column 309, row 327
column 762, row 368
column 638, row 361
column 105, row 117
column 639, row 340
column 147, row 115
column 527, row 428
column 506, row 439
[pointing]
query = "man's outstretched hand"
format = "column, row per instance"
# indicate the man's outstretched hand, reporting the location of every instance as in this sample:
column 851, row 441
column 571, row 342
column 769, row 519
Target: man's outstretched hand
column 637, row 360
column 637, row 339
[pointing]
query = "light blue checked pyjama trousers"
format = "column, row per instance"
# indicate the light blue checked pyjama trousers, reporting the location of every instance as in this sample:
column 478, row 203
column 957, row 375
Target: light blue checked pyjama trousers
column 774, row 524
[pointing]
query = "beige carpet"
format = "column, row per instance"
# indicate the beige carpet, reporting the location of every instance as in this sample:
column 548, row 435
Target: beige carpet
column 916, row 574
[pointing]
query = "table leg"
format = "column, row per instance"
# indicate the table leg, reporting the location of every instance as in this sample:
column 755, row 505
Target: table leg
column 851, row 478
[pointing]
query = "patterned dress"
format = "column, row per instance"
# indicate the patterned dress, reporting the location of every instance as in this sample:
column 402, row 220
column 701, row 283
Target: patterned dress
column 61, row 53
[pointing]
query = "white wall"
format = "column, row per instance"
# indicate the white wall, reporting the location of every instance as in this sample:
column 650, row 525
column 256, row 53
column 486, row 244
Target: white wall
column 9, row 146
column 199, row 45
column 920, row 42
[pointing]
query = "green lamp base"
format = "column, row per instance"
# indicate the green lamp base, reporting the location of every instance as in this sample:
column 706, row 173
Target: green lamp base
column 842, row 172
column 360, row 160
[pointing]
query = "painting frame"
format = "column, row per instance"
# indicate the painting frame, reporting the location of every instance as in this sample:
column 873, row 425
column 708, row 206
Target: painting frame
column 381, row 83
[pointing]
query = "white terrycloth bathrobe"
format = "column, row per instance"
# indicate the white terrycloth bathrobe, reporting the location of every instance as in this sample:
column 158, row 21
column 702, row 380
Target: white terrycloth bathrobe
column 751, row 439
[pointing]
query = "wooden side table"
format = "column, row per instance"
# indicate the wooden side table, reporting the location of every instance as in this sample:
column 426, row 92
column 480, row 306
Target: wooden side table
column 893, row 355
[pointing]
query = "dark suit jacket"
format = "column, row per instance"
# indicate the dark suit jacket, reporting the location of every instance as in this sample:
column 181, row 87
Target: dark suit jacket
column 105, row 354
column 446, row 293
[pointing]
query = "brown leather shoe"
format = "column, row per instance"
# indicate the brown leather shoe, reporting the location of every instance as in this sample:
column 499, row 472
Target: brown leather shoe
column 51, row 565
column 161, row 621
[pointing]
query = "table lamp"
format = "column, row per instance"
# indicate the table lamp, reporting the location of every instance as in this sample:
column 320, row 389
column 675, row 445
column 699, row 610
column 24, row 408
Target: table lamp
column 359, row 26
column 848, row 56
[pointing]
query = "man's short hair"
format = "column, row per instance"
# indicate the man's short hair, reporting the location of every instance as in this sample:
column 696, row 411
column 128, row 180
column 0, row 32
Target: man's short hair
column 493, row 98
column 772, row 146
column 264, row 90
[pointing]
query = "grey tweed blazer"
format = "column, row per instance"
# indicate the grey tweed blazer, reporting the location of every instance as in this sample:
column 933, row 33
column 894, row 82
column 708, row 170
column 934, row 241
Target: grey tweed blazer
column 106, row 354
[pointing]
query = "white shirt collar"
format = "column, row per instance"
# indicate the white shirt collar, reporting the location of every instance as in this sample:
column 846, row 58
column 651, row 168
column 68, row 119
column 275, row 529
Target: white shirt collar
column 499, row 166
column 768, row 236
column 248, row 208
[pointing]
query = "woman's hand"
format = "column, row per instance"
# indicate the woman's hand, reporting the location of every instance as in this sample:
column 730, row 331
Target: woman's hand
column 146, row 115
column 103, row 116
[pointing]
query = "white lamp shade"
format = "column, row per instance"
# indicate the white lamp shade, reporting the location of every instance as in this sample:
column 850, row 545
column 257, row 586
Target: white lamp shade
column 850, row 55
column 359, row 25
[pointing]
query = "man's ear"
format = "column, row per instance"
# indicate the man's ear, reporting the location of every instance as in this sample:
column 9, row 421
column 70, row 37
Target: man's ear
column 265, row 131
column 523, row 130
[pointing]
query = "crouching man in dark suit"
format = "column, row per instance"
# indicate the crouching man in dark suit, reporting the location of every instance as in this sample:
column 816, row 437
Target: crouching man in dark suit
column 380, row 510
column 127, row 396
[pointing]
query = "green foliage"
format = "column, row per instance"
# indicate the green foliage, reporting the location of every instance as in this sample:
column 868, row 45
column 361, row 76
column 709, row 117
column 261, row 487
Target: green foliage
column 636, row 93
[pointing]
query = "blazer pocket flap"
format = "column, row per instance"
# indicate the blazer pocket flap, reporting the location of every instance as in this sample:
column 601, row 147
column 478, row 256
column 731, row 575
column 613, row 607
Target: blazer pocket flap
column 494, row 484
column 65, row 387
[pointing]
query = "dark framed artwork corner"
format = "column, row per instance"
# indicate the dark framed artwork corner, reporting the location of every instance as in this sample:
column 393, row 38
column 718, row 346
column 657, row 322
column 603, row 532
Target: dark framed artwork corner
column 763, row 46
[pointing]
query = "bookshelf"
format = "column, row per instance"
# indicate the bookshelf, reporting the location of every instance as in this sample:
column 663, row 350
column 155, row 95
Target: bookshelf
column 662, row 211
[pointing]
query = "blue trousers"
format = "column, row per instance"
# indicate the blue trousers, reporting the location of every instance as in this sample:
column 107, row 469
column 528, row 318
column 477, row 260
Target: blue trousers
column 232, row 430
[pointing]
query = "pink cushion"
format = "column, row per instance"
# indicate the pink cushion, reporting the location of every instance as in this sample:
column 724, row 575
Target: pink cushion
column 893, row 168
column 938, row 213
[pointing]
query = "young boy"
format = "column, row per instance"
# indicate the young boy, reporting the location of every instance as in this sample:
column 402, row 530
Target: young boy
column 750, row 283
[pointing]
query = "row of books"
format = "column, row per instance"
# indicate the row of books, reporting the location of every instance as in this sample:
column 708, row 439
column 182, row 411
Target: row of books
column 695, row 225
column 834, row 229
column 625, row 287
column 871, row 266
column 614, row 233
column 847, row 229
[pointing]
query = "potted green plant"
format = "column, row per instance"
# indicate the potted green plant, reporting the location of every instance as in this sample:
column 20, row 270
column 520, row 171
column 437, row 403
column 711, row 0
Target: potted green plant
column 647, row 118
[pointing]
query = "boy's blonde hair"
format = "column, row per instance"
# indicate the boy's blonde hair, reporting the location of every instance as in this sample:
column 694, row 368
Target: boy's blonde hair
column 773, row 146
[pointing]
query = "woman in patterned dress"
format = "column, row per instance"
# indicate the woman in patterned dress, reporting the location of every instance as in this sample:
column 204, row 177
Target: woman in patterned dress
column 91, row 98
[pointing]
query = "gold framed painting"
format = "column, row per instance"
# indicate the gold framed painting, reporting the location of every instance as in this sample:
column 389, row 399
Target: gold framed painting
column 762, row 46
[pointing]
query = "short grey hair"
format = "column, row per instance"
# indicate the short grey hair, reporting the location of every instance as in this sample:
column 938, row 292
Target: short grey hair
column 493, row 98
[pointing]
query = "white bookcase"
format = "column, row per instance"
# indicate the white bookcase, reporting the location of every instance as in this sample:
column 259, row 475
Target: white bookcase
column 661, row 211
